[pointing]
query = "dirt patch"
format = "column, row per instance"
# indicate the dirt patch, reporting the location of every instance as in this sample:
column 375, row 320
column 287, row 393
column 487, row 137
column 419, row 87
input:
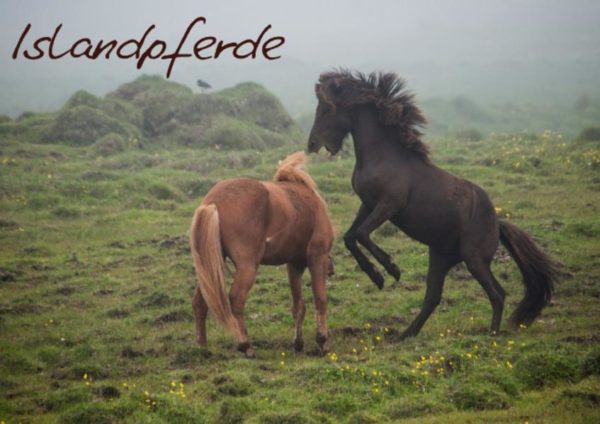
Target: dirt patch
column 180, row 244
column 23, row 308
column 193, row 356
column 348, row 331
column 117, row 313
column 379, row 323
column 264, row 344
column 131, row 353
column 143, row 260
column 156, row 299
column 6, row 224
column 460, row 272
column 590, row 339
column 584, row 395
column 27, row 154
column 174, row 316
column 409, row 286
column 7, row 276
column 39, row 267
column 65, row 290
column 108, row 392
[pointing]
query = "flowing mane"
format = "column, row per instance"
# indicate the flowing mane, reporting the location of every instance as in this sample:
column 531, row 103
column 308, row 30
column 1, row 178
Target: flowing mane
column 291, row 169
column 387, row 92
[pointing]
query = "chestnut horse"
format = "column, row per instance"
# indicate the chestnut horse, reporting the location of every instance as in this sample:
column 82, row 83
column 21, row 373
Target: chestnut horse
column 397, row 182
column 261, row 222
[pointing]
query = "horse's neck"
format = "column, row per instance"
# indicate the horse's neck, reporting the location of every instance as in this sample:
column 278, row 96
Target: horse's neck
column 372, row 143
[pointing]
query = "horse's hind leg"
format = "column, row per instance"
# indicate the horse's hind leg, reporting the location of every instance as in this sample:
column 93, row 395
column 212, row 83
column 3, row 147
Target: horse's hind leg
column 439, row 265
column 318, row 266
column 480, row 269
column 243, row 280
column 200, row 311
column 295, row 272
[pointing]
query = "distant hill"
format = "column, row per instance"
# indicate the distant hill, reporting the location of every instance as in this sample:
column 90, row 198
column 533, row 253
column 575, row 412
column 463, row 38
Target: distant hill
column 151, row 109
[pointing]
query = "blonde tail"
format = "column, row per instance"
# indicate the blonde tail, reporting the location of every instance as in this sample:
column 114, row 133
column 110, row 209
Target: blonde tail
column 205, row 243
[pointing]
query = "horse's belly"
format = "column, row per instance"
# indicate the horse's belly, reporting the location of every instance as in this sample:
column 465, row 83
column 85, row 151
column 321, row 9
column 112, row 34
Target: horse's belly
column 440, row 232
column 284, row 246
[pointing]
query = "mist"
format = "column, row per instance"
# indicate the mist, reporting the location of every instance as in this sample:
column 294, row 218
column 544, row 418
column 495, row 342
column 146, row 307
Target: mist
column 493, row 52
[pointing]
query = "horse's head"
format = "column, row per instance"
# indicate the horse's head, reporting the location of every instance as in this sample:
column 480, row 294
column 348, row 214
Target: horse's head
column 332, row 120
column 343, row 95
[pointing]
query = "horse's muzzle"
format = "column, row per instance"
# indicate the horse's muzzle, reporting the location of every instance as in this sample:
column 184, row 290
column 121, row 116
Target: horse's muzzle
column 313, row 147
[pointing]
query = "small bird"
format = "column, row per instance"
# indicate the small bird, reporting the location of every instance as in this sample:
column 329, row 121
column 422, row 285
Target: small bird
column 203, row 84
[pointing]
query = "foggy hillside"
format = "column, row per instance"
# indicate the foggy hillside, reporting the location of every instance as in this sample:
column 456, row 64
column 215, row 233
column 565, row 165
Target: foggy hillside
column 535, row 53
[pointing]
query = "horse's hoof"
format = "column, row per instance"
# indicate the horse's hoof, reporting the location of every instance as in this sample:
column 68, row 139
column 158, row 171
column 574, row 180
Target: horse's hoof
column 246, row 349
column 377, row 278
column 298, row 345
column 395, row 272
column 323, row 343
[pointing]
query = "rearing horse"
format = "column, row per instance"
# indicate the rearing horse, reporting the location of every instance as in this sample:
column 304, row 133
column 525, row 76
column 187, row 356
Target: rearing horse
column 397, row 182
column 261, row 222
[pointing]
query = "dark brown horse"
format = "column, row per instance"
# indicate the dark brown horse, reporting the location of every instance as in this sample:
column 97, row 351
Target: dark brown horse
column 397, row 182
column 259, row 222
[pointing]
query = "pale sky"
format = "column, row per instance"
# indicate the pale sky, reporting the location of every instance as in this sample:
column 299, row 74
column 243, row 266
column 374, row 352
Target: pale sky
column 424, row 39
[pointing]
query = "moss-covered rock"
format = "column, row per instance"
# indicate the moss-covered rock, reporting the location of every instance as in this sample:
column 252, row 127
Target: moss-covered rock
column 231, row 133
column 253, row 103
column 82, row 125
column 159, row 112
column 83, row 98
column 123, row 111
column 29, row 126
column 109, row 144
column 149, row 83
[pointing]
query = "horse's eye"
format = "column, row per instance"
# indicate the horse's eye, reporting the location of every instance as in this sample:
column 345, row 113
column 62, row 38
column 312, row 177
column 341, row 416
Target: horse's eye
column 326, row 110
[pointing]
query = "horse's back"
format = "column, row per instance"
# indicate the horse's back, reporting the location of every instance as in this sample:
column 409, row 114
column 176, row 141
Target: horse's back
column 235, row 194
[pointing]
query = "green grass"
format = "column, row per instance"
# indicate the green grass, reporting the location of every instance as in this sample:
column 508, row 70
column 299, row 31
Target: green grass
column 96, row 283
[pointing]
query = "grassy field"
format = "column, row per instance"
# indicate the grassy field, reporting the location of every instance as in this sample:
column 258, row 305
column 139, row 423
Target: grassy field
column 96, row 282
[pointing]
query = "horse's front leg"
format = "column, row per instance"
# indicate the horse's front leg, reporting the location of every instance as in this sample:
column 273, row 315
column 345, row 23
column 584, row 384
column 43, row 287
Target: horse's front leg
column 364, row 224
column 350, row 241
column 295, row 272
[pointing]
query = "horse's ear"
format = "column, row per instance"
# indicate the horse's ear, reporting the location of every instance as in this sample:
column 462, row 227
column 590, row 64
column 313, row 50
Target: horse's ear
column 332, row 91
column 336, row 88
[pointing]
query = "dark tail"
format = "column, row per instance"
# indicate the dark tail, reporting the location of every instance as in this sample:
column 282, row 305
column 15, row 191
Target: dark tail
column 540, row 272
